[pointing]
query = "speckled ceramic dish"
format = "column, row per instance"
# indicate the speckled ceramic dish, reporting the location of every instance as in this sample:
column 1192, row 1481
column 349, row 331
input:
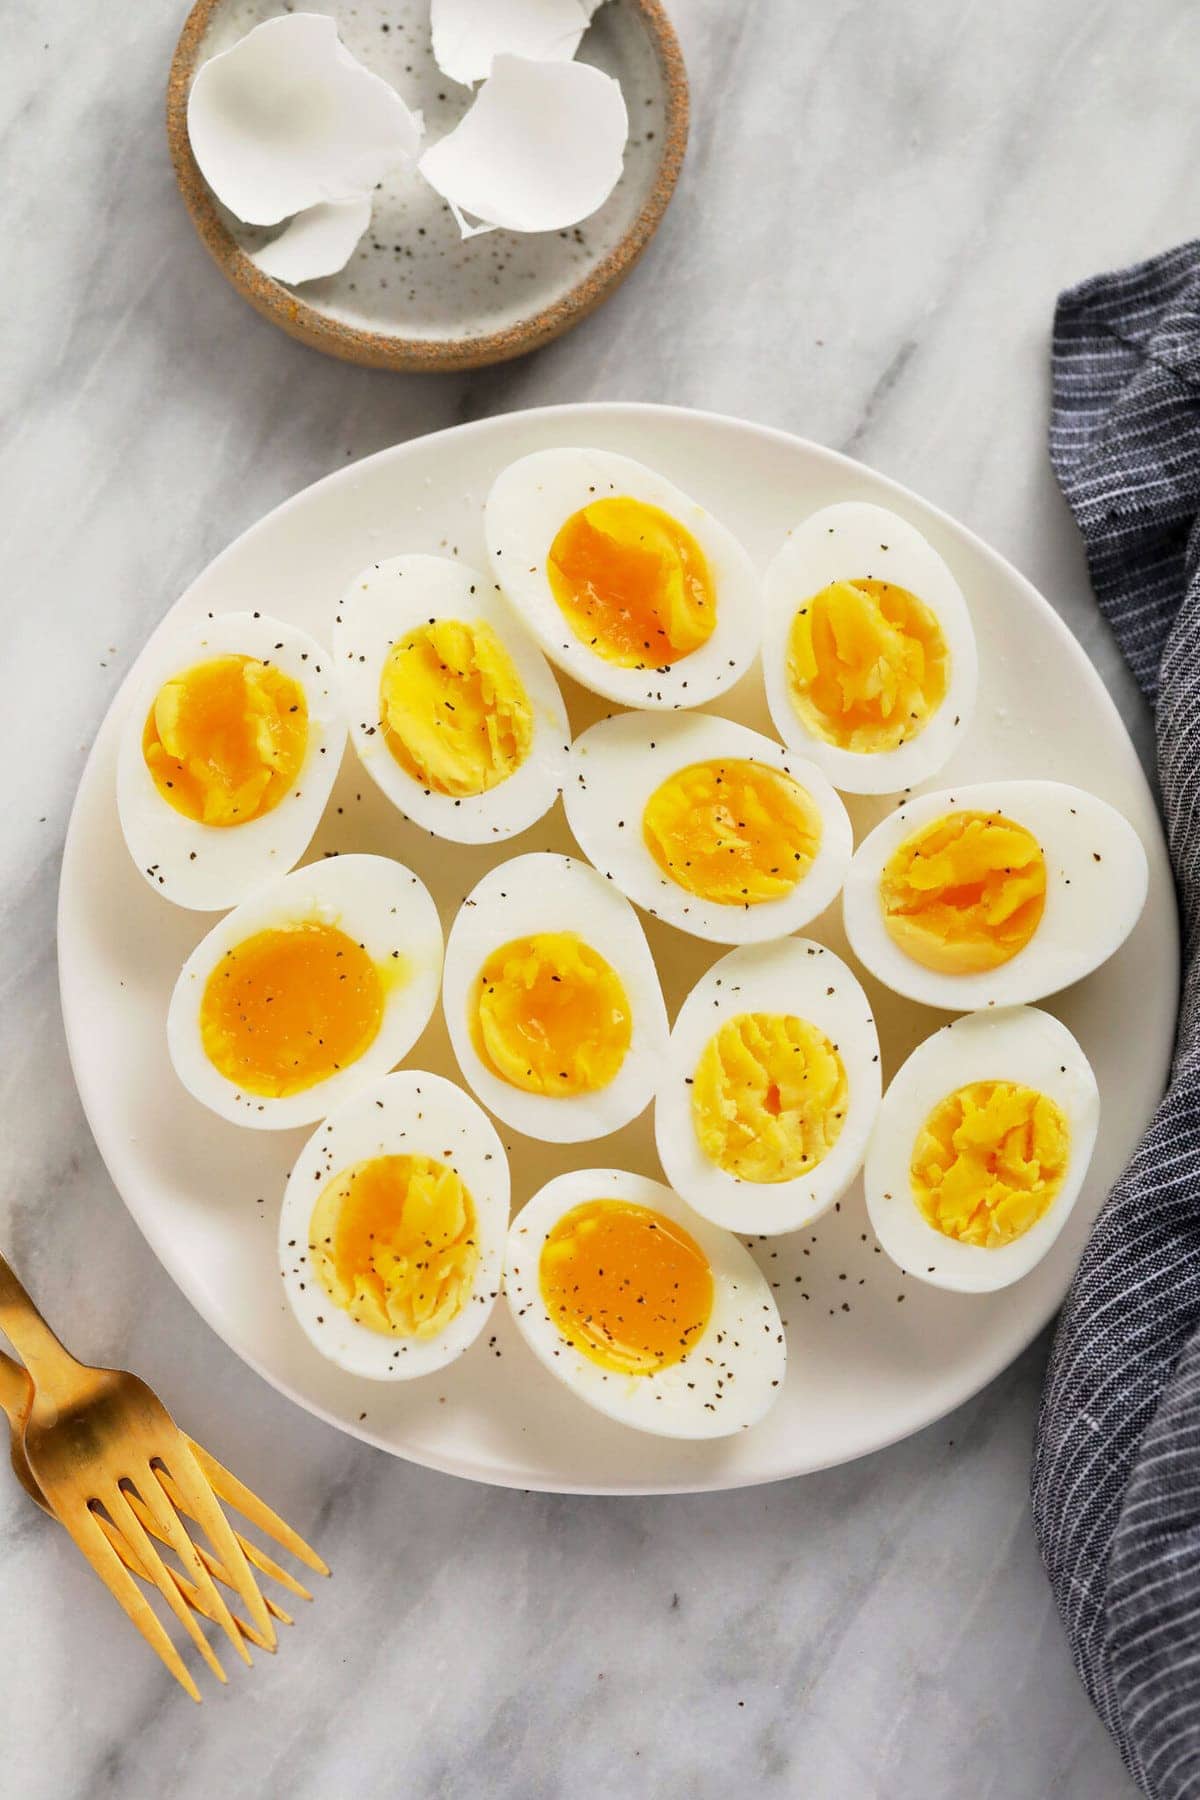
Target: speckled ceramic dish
column 414, row 295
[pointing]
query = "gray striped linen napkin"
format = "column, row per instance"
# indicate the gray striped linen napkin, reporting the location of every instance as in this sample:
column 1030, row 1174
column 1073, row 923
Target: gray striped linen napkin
column 1116, row 1472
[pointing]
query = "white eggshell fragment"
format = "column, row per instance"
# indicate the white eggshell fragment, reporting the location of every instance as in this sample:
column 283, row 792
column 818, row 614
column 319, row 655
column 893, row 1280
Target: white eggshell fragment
column 207, row 867
column 541, row 148
column 382, row 604
column 317, row 242
column 411, row 1113
column 469, row 34
column 1019, row 1045
column 614, row 770
column 733, row 1373
column 287, row 119
column 802, row 979
column 1096, row 882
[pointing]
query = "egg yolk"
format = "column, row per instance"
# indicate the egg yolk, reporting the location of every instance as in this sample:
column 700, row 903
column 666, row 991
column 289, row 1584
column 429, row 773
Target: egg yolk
column 550, row 1015
column 394, row 1242
column 628, row 1287
column 454, row 711
column 867, row 665
column 768, row 1097
column 989, row 1161
column 965, row 893
column 632, row 583
column 737, row 833
column 224, row 740
column 289, row 1007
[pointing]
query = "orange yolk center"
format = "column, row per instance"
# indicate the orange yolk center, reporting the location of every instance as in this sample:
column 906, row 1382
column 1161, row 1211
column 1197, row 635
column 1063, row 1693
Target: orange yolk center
column 989, row 1162
column 965, row 893
column 867, row 665
column 550, row 1015
column 737, row 832
column 632, row 583
column 224, row 740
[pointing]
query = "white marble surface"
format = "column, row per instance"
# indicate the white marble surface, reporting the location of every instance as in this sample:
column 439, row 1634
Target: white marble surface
column 878, row 208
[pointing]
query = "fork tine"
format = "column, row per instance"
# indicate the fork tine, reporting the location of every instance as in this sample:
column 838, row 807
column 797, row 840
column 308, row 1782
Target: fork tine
column 84, row 1528
column 175, row 1534
column 236, row 1494
column 257, row 1558
column 216, row 1568
column 203, row 1506
column 116, row 1504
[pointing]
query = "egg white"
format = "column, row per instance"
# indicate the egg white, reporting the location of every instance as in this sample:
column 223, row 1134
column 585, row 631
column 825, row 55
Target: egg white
column 733, row 1373
column 794, row 976
column 1096, row 882
column 211, row 867
column 855, row 540
column 381, row 905
column 528, row 503
column 543, row 892
column 411, row 1113
column 1019, row 1044
column 615, row 768
column 383, row 603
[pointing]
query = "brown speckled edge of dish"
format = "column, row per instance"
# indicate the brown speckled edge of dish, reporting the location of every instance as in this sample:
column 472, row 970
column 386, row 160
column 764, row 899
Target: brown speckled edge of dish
column 379, row 350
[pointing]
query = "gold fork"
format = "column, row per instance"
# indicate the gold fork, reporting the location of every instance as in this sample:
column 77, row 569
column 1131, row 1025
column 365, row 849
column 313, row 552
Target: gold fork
column 111, row 1465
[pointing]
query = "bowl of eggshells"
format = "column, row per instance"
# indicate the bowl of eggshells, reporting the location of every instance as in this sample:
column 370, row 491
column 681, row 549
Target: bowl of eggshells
column 427, row 184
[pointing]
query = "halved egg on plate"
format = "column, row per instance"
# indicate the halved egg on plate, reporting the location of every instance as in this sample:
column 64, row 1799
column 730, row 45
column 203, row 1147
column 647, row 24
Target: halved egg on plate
column 391, row 1235
column 320, row 981
column 229, row 751
column 770, row 1087
column 868, row 650
column 552, row 1000
column 629, row 585
column 982, row 1145
column 994, row 894
column 643, row 1309
column 708, row 825
column 453, row 709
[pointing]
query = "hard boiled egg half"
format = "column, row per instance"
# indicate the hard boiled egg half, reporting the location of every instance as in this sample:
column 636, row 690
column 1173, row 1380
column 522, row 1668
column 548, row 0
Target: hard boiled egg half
column 642, row 1308
column 391, row 1236
column 983, row 1142
column 994, row 894
column 770, row 1087
column 452, row 709
column 631, row 587
column 708, row 825
column 230, row 748
column 868, row 651
column 552, row 1000
column 318, row 982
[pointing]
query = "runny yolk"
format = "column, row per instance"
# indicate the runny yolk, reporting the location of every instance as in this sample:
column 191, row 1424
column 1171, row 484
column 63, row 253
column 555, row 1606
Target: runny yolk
column 737, row 832
column 225, row 739
column 989, row 1161
column 867, row 665
column 965, row 893
column 628, row 1287
column 769, row 1097
column 550, row 1015
column 454, row 710
column 290, row 1006
column 393, row 1240
column 632, row 583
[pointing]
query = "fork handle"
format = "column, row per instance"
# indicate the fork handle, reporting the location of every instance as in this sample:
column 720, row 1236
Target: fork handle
column 29, row 1334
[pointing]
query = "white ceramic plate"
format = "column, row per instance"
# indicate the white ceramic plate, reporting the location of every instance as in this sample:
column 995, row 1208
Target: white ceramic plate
column 873, row 1356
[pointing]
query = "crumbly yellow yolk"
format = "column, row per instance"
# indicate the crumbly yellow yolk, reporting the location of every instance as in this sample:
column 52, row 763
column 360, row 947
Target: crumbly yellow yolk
column 225, row 740
column 633, row 584
column 965, row 893
column 454, row 711
column 550, row 1015
column 867, row 665
column 628, row 1287
column 734, row 832
column 989, row 1161
column 289, row 1007
column 768, row 1097
column 394, row 1242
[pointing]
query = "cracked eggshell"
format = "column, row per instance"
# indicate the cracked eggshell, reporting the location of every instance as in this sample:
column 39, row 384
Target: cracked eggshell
column 287, row 119
column 469, row 34
column 541, row 148
column 318, row 241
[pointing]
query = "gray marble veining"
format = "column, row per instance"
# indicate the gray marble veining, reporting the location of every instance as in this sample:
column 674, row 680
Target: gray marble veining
column 877, row 210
